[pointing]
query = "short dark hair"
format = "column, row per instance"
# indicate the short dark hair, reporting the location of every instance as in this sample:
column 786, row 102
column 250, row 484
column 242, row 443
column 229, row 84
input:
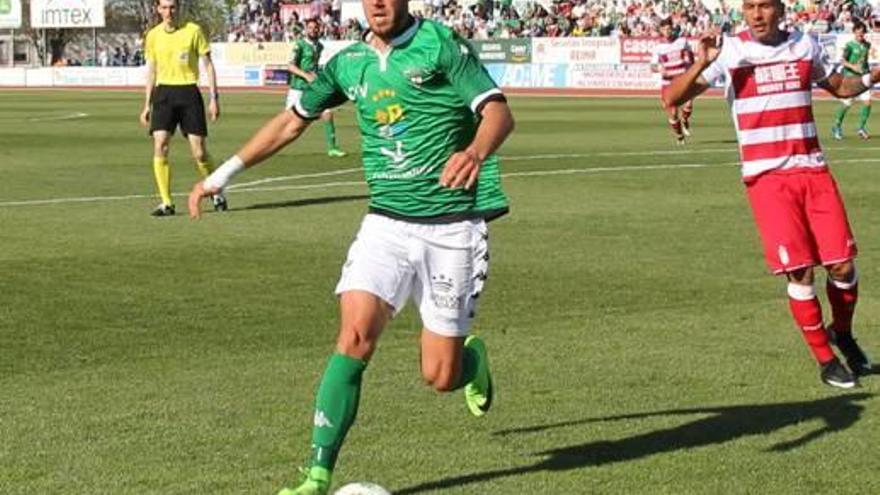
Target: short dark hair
column 666, row 22
column 859, row 26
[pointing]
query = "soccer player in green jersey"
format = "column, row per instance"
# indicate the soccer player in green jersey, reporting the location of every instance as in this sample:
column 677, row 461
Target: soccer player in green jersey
column 855, row 63
column 303, row 67
column 431, row 119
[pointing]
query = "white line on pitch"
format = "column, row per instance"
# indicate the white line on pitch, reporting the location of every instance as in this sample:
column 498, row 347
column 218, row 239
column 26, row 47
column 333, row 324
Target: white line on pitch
column 536, row 173
column 70, row 116
column 294, row 177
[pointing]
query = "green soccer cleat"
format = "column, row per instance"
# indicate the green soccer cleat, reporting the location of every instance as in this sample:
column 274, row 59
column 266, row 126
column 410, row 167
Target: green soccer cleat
column 336, row 153
column 478, row 393
column 317, row 483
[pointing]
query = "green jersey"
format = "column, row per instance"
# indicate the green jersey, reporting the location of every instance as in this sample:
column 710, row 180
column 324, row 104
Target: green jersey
column 305, row 54
column 417, row 104
column 857, row 54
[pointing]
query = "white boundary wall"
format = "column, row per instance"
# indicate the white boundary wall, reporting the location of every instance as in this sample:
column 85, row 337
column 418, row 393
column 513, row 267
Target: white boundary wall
column 553, row 63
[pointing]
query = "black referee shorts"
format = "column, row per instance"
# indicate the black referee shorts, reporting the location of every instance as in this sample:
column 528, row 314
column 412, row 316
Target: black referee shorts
column 178, row 106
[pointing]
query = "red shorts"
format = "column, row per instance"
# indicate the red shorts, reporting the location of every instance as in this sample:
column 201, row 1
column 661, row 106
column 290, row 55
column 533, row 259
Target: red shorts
column 801, row 219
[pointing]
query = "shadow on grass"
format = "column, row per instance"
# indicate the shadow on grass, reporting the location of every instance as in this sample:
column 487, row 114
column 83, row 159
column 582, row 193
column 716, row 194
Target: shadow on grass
column 720, row 424
column 303, row 202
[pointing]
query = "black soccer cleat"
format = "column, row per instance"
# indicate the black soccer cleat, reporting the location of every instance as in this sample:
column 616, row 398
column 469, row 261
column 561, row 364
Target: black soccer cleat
column 835, row 374
column 856, row 359
column 219, row 201
column 163, row 210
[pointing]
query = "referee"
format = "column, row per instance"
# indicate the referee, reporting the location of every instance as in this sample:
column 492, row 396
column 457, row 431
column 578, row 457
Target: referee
column 173, row 50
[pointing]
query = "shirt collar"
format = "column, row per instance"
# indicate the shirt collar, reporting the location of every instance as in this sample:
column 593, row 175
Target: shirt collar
column 401, row 38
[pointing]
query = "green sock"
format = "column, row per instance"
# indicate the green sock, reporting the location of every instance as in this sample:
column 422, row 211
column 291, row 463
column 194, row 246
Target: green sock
column 335, row 408
column 330, row 134
column 470, row 361
column 864, row 113
column 839, row 114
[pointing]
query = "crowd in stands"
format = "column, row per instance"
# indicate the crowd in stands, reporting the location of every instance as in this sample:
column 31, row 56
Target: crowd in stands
column 266, row 20
column 263, row 20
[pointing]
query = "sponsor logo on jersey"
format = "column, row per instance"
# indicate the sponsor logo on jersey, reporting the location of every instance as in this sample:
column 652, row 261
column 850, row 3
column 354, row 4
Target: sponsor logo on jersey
column 418, row 75
column 357, row 91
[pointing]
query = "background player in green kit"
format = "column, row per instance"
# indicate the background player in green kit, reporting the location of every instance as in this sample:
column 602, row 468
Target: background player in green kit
column 431, row 119
column 855, row 63
column 304, row 59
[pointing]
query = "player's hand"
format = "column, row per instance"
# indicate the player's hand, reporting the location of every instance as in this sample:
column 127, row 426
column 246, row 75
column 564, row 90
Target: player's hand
column 145, row 116
column 708, row 48
column 195, row 199
column 462, row 169
column 214, row 109
column 311, row 76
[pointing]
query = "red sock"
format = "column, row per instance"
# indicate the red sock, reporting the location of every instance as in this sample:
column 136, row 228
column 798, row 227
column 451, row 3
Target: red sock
column 686, row 114
column 808, row 315
column 843, row 297
column 676, row 127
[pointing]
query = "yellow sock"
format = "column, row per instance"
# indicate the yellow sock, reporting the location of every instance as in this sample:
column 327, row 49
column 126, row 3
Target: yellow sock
column 162, row 171
column 205, row 166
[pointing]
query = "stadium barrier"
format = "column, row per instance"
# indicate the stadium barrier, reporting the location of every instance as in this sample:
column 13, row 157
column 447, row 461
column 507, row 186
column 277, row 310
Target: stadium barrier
column 607, row 63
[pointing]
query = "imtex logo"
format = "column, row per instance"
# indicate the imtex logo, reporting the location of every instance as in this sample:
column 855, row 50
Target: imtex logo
column 67, row 13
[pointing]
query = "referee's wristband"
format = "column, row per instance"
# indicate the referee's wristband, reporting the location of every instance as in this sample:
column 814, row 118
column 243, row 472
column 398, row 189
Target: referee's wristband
column 221, row 177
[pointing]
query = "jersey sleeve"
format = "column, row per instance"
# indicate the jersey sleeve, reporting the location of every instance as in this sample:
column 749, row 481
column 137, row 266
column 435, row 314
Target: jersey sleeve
column 149, row 49
column 295, row 53
column 716, row 70
column 321, row 94
column 822, row 66
column 847, row 50
column 466, row 74
column 201, row 43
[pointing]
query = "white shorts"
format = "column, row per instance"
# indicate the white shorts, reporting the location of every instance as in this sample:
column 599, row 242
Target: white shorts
column 864, row 98
column 442, row 267
column 293, row 96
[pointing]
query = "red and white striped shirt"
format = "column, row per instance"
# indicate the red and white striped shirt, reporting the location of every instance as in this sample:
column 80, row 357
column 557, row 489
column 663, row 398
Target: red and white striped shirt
column 769, row 89
column 674, row 58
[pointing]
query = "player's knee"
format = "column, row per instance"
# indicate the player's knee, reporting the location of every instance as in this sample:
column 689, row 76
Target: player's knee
column 440, row 377
column 843, row 272
column 442, row 382
column 356, row 339
column 801, row 276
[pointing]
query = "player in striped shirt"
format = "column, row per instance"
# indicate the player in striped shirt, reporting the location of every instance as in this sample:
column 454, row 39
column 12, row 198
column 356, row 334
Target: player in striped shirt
column 768, row 75
column 672, row 58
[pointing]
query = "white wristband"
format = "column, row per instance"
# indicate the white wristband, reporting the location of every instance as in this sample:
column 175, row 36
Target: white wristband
column 866, row 80
column 224, row 173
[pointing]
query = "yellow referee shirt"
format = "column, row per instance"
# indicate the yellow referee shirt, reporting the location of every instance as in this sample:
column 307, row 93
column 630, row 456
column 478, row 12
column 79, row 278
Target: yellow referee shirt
column 176, row 54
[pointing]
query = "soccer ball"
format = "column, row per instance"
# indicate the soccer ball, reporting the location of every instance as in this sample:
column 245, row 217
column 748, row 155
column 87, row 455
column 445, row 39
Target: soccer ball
column 362, row 488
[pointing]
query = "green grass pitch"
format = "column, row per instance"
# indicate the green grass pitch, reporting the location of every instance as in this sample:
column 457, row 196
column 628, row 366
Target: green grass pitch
column 638, row 345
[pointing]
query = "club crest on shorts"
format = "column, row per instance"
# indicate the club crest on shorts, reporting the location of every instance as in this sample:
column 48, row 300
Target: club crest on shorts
column 443, row 293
